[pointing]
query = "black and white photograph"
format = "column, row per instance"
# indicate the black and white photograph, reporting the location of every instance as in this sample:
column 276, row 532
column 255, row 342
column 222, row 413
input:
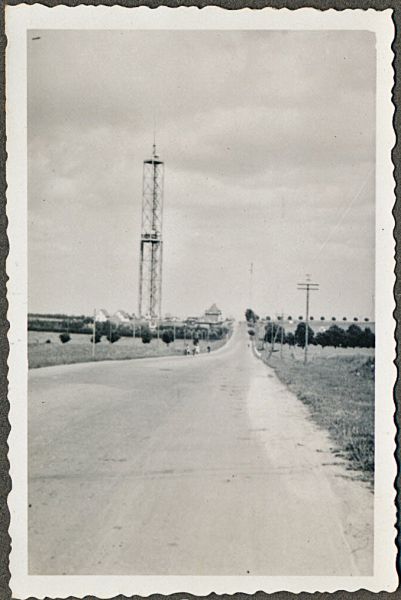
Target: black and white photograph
column 207, row 256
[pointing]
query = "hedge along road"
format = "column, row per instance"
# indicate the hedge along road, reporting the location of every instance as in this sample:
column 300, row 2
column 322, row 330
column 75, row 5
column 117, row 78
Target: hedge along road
column 186, row 465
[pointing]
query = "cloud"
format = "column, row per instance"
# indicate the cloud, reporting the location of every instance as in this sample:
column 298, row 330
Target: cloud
column 266, row 136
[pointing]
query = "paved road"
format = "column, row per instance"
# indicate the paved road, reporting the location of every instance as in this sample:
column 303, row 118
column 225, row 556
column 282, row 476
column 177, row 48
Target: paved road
column 186, row 465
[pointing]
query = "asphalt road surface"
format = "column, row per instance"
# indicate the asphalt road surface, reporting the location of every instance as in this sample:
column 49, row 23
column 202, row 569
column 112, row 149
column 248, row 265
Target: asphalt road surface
column 200, row 465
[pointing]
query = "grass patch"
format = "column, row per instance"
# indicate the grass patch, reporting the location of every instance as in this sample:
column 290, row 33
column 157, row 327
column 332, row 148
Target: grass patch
column 79, row 349
column 339, row 392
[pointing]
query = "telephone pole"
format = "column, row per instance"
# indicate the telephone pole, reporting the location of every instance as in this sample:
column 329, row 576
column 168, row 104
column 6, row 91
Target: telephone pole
column 307, row 286
column 94, row 334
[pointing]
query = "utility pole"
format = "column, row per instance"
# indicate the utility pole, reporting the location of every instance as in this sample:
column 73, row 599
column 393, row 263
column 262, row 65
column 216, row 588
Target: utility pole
column 273, row 336
column 94, row 334
column 308, row 287
column 281, row 336
column 251, row 286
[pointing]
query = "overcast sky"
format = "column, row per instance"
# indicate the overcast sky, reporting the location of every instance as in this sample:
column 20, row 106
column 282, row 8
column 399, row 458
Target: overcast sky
column 268, row 140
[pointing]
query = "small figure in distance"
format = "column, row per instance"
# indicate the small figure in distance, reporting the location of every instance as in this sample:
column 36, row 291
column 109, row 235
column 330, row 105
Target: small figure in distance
column 194, row 351
column 187, row 350
column 197, row 350
column 208, row 348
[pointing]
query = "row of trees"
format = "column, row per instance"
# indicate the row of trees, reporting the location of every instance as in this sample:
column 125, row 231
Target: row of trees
column 353, row 337
column 113, row 333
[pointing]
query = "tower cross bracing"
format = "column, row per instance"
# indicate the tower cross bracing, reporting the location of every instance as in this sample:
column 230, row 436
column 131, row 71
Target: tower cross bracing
column 151, row 250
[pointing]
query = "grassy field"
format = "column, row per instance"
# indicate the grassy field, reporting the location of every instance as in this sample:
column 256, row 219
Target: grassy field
column 79, row 349
column 337, row 385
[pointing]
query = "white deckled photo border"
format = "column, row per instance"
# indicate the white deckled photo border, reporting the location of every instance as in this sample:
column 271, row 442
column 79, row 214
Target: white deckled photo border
column 20, row 19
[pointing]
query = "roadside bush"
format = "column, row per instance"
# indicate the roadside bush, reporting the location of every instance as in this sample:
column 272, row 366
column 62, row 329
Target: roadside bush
column 290, row 339
column 250, row 316
column 113, row 336
column 64, row 337
column 146, row 336
column 98, row 337
column 168, row 336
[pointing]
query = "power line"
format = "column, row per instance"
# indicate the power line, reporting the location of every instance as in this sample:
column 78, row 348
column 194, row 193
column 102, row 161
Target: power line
column 342, row 217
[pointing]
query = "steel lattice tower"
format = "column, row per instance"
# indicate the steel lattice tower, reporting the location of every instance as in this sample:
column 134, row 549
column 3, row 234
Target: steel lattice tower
column 150, row 268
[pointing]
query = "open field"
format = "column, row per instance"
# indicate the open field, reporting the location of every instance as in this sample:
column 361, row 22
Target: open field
column 337, row 385
column 79, row 349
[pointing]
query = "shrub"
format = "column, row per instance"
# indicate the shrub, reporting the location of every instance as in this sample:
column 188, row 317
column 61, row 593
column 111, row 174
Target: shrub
column 146, row 336
column 168, row 336
column 64, row 337
column 251, row 332
column 98, row 337
column 113, row 336
column 290, row 339
column 250, row 315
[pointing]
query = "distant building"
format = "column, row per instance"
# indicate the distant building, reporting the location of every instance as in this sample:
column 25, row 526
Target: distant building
column 213, row 315
column 121, row 316
column 191, row 320
column 102, row 316
column 170, row 318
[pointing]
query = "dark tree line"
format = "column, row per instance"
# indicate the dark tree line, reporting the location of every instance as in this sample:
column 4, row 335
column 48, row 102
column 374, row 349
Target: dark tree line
column 353, row 337
column 113, row 332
